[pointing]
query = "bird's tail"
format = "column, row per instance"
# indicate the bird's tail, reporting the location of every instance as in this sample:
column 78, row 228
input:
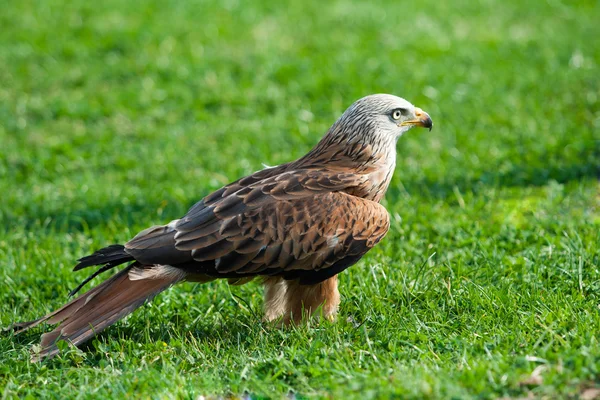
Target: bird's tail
column 97, row 309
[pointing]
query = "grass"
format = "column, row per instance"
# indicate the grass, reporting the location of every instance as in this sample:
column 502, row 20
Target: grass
column 119, row 115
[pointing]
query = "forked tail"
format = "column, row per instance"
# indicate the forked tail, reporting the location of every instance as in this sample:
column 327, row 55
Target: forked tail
column 97, row 309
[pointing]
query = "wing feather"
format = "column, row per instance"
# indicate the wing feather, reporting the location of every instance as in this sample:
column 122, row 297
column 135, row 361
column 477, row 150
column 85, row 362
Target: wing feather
column 284, row 237
column 298, row 223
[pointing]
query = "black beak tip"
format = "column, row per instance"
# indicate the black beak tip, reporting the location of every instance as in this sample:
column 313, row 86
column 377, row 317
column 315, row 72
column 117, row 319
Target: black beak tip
column 428, row 123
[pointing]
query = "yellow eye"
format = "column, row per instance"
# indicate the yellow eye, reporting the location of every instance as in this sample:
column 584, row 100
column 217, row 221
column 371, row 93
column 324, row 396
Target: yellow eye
column 396, row 114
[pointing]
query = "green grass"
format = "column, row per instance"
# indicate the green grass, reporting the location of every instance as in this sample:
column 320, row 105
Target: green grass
column 118, row 115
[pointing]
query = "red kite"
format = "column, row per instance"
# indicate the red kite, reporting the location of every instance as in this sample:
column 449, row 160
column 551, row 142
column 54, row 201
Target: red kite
column 296, row 226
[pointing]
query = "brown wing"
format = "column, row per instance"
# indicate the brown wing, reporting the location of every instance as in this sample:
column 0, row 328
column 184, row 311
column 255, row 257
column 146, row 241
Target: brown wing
column 311, row 238
column 296, row 224
column 253, row 192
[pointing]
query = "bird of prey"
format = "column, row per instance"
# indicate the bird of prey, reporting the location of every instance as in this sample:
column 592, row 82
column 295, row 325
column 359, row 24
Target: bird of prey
column 296, row 226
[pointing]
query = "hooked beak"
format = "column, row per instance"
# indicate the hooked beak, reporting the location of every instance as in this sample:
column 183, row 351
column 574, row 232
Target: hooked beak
column 422, row 119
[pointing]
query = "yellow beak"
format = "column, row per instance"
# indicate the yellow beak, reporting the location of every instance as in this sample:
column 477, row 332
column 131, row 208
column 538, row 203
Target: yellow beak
column 422, row 119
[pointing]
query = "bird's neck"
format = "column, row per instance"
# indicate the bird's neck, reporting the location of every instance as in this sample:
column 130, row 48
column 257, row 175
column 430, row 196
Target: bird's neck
column 376, row 160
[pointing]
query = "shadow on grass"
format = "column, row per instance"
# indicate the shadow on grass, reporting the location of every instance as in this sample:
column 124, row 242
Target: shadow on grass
column 230, row 332
column 517, row 176
column 227, row 332
column 83, row 216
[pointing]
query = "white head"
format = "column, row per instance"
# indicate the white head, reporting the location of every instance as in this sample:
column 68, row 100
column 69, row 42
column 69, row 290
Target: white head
column 368, row 130
column 381, row 114
column 376, row 121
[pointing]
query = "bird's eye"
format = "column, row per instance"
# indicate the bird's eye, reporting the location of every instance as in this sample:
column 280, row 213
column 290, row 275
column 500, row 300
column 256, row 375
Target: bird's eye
column 397, row 113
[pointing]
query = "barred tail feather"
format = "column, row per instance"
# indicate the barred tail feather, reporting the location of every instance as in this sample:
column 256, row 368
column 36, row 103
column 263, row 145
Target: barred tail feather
column 97, row 309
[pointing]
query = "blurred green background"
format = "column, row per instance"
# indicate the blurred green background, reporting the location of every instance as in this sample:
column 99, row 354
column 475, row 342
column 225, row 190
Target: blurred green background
column 115, row 116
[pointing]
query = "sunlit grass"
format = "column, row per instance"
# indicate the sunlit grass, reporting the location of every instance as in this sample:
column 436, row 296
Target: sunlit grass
column 119, row 115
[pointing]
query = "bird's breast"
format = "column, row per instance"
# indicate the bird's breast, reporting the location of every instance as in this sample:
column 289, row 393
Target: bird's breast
column 375, row 185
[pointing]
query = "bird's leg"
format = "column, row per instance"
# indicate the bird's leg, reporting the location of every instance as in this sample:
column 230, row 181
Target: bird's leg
column 308, row 299
column 275, row 298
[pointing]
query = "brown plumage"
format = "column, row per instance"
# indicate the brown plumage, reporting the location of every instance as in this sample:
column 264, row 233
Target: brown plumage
column 296, row 226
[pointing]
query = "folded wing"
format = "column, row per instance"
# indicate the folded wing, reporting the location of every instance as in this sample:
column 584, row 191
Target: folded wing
column 298, row 224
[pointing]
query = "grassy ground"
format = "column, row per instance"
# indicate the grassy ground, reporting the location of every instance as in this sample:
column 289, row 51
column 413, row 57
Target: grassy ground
column 118, row 115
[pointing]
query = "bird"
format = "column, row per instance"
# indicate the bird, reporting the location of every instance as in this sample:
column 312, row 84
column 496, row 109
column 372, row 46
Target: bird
column 295, row 226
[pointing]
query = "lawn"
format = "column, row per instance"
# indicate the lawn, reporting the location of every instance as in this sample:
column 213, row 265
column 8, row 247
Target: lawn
column 116, row 115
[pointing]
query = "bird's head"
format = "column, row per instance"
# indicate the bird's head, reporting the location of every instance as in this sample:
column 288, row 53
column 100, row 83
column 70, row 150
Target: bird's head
column 381, row 116
column 368, row 130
